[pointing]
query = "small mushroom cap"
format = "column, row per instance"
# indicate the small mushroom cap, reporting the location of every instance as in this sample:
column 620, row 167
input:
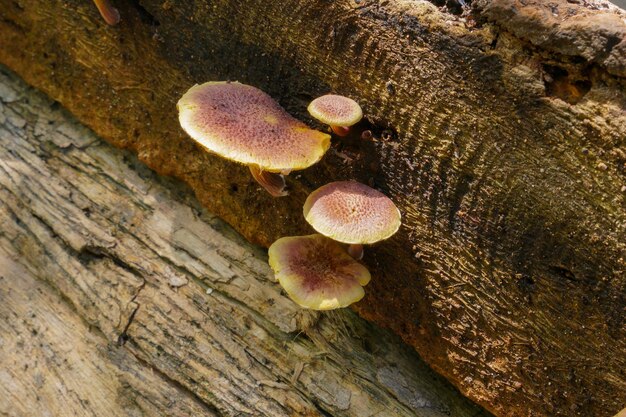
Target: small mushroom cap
column 317, row 272
column 351, row 212
column 242, row 123
column 335, row 110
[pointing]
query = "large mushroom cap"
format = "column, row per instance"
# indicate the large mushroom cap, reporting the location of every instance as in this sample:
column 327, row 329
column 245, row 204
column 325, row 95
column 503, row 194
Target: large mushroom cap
column 242, row 123
column 352, row 212
column 335, row 110
column 317, row 272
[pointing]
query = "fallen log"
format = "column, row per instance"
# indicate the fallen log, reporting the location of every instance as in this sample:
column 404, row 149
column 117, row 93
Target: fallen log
column 498, row 132
column 120, row 295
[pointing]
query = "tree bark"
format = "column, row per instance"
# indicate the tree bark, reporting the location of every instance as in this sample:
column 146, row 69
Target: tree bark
column 120, row 295
column 499, row 133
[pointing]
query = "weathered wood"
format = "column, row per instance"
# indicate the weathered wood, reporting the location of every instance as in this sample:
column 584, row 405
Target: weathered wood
column 120, row 295
column 53, row 363
column 504, row 149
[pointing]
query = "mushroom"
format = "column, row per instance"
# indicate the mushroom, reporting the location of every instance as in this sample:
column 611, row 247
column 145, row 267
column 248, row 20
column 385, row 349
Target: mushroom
column 109, row 13
column 316, row 272
column 243, row 124
column 352, row 213
column 337, row 111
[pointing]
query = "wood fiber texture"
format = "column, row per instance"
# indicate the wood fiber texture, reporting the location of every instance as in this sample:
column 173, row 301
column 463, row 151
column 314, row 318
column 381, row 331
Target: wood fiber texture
column 121, row 296
column 499, row 134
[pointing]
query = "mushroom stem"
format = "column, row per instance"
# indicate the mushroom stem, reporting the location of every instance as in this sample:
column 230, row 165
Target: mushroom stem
column 340, row 130
column 272, row 182
column 356, row 251
column 109, row 13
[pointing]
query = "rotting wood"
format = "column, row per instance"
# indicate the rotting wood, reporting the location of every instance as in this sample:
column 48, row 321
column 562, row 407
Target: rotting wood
column 120, row 295
column 499, row 134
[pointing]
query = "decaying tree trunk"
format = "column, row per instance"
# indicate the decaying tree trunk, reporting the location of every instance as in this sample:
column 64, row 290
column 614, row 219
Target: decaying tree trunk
column 121, row 296
column 499, row 133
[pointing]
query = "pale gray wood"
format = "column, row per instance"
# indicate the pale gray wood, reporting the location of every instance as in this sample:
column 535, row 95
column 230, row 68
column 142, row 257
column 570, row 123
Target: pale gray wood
column 52, row 363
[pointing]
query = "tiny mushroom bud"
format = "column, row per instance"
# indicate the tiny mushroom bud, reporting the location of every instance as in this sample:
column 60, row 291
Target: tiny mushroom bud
column 109, row 13
column 337, row 111
column 242, row 123
column 316, row 272
column 353, row 213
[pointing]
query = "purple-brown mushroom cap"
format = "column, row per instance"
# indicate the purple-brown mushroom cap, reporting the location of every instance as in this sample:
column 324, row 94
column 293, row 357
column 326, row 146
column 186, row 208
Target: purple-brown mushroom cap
column 336, row 110
column 317, row 272
column 242, row 123
column 351, row 212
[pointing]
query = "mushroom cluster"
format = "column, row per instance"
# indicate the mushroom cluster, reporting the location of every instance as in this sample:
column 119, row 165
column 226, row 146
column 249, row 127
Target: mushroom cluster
column 243, row 124
column 316, row 271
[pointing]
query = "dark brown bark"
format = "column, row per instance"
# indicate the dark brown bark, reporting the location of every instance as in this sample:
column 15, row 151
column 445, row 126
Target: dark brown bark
column 500, row 136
